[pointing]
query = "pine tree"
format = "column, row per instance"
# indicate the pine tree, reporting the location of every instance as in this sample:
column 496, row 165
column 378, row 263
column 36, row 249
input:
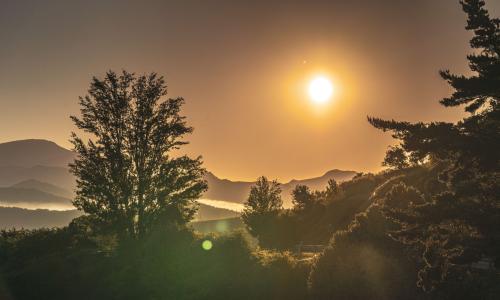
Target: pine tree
column 127, row 177
column 461, row 225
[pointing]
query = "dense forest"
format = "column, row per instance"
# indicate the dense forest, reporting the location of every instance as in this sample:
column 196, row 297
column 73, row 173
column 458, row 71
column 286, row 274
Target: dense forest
column 427, row 227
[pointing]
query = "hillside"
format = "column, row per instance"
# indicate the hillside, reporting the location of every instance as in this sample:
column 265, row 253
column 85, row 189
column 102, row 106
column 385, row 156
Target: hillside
column 34, row 161
column 316, row 183
column 44, row 187
column 318, row 224
column 58, row 176
column 22, row 197
column 207, row 212
column 227, row 190
column 29, row 153
column 16, row 217
column 13, row 217
column 237, row 191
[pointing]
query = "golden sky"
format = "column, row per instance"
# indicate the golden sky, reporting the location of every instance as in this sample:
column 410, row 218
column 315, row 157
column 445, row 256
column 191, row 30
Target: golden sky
column 243, row 68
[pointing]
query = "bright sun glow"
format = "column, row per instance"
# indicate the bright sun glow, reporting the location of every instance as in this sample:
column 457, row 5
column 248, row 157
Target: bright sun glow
column 320, row 89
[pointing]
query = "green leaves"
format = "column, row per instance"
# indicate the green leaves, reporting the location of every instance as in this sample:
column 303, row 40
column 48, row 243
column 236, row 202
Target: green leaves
column 126, row 177
column 460, row 220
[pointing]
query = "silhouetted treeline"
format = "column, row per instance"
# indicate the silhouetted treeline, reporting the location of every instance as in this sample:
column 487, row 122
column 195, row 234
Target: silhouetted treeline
column 438, row 231
column 426, row 228
column 75, row 263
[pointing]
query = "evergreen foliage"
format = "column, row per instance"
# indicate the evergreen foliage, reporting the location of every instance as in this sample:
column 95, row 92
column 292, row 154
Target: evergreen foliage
column 460, row 225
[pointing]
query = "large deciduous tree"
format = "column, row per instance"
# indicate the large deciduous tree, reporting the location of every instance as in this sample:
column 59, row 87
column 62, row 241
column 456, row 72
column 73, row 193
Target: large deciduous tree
column 461, row 225
column 128, row 178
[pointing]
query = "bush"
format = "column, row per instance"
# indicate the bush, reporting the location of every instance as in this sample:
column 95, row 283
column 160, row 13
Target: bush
column 364, row 263
column 170, row 263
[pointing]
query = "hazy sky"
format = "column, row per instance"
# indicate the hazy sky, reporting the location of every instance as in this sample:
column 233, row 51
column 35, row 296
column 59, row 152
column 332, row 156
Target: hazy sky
column 243, row 68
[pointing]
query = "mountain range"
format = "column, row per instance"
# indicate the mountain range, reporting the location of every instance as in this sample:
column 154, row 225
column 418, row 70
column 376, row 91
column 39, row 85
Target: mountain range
column 34, row 174
column 237, row 191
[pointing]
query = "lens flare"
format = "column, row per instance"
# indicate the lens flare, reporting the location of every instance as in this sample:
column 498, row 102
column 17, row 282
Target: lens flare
column 206, row 245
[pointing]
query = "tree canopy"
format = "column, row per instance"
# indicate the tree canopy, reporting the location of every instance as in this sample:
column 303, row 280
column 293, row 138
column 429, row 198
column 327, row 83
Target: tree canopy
column 460, row 225
column 128, row 178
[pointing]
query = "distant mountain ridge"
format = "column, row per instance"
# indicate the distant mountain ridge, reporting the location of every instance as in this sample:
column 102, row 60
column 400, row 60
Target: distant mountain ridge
column 32, row 198
column 35, row 174
column 58, row 176
column 237, row 191
column 14, row 217
column 34, row 152
column 227, row 190
column 44, row 187
column 44, row 161
column 317, row 183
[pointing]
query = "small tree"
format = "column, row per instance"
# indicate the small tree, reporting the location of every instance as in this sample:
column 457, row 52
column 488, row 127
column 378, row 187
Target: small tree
column 396, row 158
column 332, row 189
column 262, row 210
column 127, row 178
column 302, row 197
column 265, row 197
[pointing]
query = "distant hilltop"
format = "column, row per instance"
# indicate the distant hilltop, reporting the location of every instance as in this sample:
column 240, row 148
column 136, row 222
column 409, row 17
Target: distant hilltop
column 43, row 163
column 33, row 152
column 237, row 191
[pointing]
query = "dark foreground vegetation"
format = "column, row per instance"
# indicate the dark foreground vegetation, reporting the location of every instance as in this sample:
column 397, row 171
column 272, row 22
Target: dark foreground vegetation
column 72, row 263
column 426, row 228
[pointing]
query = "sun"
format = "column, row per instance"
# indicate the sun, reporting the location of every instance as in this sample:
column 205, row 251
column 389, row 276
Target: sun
column 320, row 89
